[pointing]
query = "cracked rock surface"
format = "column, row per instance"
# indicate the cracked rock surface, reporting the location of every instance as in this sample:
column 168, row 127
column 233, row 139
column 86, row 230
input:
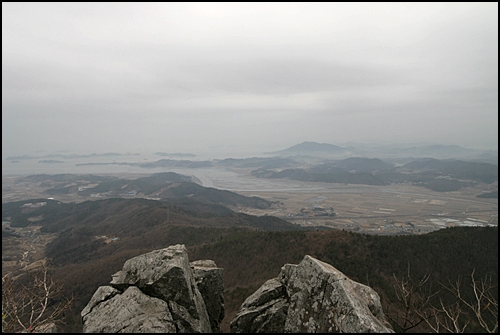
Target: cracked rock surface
column 311, row 297
column 159, row 292
column 162, row 292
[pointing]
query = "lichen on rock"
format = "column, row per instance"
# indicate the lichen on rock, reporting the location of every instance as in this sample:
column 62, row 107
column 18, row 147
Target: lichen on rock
column 311, row 297
column 158, row 292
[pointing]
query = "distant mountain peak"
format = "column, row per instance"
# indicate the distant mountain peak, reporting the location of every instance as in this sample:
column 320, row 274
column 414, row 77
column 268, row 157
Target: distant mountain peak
column 308, row 147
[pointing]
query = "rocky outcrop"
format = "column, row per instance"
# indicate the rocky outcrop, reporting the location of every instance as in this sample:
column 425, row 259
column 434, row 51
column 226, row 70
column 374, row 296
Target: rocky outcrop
column 162, row 292
column 210, row 283
column 311, row 297
column 159, row 292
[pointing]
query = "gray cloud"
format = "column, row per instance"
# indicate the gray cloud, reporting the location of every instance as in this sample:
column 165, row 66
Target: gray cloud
column 194, row 77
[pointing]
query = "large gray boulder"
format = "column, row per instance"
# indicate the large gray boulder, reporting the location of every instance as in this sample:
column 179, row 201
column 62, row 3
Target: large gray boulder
column 129, row 312
column 156, row 292
column 311, row 297
column 265, row 311
column 210, row 283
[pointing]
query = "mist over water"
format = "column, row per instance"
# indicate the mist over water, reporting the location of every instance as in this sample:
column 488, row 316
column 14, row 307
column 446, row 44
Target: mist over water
column 209, row 177
column 69, row 165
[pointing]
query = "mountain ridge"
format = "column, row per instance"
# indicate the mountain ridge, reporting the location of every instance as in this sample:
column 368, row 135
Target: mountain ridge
column 308, row 147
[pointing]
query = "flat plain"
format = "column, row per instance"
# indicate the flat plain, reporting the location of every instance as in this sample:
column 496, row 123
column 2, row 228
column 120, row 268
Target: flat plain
column 385, row 210
column 392, row 209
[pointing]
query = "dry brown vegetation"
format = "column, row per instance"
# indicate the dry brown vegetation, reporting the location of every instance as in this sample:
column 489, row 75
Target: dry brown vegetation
column 253, row 249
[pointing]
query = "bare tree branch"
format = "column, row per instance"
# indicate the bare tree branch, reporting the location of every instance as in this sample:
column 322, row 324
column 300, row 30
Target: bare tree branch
column 415, row 301
column 27, row 307
column 484, row 300
column 479, row 308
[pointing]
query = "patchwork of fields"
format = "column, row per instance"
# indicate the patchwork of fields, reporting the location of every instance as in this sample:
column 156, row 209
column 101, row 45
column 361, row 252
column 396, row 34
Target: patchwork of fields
column 393, row 209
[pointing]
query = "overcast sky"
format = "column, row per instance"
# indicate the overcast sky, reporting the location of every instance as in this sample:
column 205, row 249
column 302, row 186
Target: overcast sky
column 198, row 77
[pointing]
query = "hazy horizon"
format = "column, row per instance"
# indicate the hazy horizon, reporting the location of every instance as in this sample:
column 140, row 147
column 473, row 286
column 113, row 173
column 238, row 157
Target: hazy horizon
column 228, row 151
column 244, row 78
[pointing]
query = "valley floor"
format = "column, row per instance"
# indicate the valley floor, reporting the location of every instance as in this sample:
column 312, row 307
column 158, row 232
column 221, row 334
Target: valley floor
column 387, row 210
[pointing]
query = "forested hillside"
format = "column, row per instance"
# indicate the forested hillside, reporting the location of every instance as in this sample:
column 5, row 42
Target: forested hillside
column 253, row 257
column 250, row 255
column 95, row 238
column 437, row 175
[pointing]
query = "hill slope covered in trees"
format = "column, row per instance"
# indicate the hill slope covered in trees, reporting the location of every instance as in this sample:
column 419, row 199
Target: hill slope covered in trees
column 251, row 249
